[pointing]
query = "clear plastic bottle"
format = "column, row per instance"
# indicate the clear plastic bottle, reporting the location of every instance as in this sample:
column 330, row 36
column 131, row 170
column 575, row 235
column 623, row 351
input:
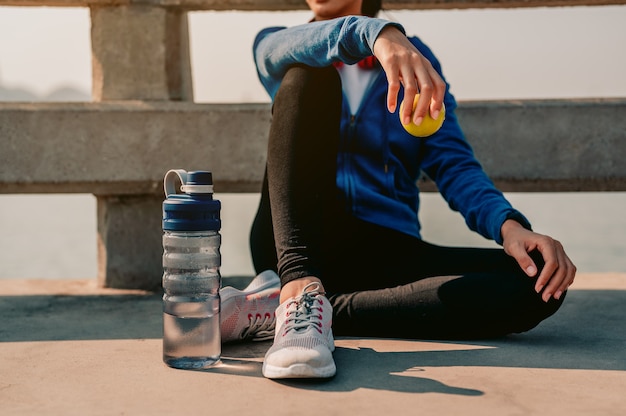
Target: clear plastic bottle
column 191, row 272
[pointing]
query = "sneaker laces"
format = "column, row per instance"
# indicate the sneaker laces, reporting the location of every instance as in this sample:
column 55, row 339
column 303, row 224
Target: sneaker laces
column 304, row 312
column 261, row 328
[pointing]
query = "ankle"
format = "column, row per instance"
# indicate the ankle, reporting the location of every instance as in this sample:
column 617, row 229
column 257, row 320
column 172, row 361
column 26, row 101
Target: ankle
column 294, row 288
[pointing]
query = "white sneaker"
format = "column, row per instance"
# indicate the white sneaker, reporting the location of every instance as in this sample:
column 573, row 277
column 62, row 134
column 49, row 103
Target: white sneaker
column 249, row 313
column 303, row 343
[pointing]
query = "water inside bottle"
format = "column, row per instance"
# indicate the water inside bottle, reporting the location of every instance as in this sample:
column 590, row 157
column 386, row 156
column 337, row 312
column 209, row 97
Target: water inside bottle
column 191, row 333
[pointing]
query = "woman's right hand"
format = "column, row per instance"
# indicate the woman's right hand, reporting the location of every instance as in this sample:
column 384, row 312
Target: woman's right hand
column 405, row 65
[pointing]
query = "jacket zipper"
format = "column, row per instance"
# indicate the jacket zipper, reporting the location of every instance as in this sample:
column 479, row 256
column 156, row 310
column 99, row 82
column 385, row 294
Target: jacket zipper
column 351, row 200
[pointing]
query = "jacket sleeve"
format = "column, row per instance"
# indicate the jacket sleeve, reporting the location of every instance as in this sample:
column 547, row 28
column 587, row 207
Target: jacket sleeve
column 449, row 160
column 317, row 44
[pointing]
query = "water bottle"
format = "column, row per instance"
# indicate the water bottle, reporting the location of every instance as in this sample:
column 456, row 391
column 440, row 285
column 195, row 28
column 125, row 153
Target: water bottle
column 191, row 271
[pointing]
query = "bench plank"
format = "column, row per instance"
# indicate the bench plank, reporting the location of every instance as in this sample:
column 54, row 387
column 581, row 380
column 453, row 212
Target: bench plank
column 126, row 147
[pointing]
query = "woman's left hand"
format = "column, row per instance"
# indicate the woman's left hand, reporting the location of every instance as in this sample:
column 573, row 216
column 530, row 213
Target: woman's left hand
column 558, row 272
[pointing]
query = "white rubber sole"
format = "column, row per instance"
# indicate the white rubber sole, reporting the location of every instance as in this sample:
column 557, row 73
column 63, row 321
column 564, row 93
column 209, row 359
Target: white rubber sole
column 298, row 371
column 271, row 280
column 229, row 292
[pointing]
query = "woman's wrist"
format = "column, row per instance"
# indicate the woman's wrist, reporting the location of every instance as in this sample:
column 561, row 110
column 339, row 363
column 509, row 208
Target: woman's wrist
column 509, row 225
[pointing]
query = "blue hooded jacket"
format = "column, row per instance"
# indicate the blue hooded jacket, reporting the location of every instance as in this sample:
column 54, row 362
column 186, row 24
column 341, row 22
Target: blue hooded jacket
column 379, row 162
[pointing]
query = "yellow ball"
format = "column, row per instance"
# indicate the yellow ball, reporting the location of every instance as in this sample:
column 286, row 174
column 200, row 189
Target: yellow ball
column 428, row 127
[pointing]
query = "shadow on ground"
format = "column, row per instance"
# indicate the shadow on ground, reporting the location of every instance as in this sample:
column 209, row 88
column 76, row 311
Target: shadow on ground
column 587, row 333
column 358, row 368
column 90, row 317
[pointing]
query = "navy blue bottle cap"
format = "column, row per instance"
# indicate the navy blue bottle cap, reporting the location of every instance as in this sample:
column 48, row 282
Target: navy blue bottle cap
column 195, row 210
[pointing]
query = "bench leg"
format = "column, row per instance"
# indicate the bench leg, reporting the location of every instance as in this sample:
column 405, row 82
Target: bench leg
column 129, row 241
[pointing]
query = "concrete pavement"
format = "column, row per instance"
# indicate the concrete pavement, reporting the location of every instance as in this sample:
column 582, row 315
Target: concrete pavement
column 70, row 348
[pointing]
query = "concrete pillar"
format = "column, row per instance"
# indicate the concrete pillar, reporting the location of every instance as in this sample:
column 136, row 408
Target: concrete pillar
column 129, row 241
column 140, row 52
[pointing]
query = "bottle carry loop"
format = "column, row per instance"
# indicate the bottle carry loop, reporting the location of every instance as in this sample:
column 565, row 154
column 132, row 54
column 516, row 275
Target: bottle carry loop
column 169, row 184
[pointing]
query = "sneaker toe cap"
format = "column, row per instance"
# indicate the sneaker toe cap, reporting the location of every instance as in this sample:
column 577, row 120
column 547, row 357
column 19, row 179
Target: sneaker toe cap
column 286, row 357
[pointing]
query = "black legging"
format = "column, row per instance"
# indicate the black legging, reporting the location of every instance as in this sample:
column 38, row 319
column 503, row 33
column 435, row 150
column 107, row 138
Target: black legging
column 380, row 282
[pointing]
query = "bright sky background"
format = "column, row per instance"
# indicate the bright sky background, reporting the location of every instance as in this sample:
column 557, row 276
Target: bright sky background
column 486, row 54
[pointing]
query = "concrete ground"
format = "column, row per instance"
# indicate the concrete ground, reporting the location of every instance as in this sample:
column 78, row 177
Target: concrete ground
column 69, row 348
